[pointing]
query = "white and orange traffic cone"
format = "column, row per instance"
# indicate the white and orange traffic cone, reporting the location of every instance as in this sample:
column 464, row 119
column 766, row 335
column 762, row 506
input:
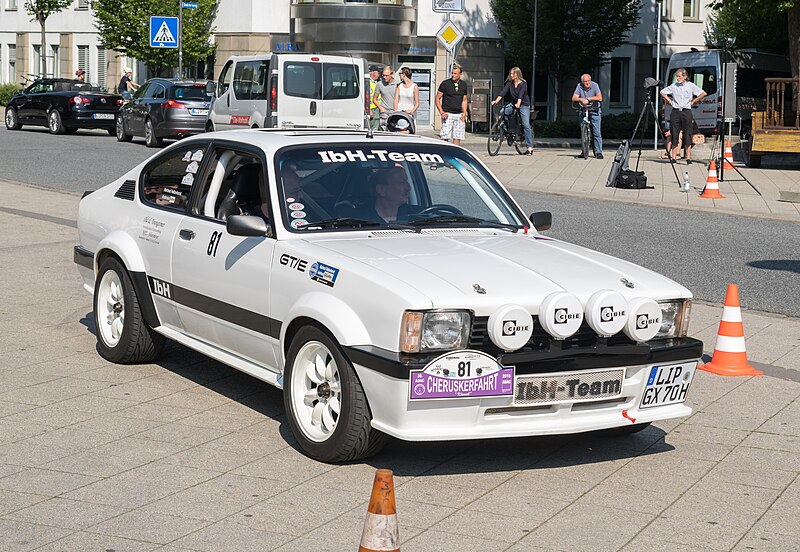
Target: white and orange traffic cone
column 711, row 191
column 730, row 356
column 727, row 162
column 380, row 526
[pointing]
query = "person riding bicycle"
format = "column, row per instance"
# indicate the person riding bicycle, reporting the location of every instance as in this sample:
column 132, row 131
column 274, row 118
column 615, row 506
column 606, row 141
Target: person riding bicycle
column 515, row 92
column 588, row 91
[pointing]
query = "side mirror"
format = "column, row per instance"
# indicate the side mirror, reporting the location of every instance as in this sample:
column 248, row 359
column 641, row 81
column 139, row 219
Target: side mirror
column 246, row 225
column 542, row 220
column 211, row 87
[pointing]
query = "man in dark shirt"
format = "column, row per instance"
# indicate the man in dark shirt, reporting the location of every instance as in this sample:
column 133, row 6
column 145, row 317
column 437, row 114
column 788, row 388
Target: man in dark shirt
column 451, row 101
column 126, row 85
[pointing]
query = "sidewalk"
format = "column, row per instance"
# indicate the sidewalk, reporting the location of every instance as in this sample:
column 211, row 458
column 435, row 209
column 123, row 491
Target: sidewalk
column 556, row 168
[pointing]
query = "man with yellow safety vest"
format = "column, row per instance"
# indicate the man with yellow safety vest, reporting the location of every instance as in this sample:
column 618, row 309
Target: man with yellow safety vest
column 374, row 110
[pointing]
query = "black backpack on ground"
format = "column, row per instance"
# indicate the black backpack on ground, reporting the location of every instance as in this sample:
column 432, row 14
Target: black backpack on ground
column 631, row 180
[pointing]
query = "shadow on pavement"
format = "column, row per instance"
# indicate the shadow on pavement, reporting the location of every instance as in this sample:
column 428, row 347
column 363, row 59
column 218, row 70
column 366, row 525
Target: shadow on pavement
column 787, row 265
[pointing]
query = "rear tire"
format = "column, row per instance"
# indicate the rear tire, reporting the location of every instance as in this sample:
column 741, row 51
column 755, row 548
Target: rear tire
column 54, row 122
column 12, row 119
column 122, row 334
column 150, row 138
column 326, row 407
column 495, row 138
column 120, row 132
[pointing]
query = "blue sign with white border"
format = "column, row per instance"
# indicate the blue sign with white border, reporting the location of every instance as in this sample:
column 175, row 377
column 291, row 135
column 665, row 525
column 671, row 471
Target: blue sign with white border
column 163, row 32
column 189, row 5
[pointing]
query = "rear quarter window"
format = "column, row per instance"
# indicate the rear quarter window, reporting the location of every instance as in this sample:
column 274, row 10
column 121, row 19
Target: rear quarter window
column 302, row 79
column 340, row 80
column 169, row 181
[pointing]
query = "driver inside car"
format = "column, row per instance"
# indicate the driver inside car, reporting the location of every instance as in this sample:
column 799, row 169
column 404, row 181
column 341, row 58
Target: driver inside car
column 391, row 194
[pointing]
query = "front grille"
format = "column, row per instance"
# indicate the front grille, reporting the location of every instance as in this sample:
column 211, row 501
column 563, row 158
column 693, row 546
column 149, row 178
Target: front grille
column 127, row 190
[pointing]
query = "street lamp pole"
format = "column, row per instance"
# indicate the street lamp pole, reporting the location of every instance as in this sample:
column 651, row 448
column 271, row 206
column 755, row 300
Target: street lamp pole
column 180, row 39
column 533, row 63
column 658, row 70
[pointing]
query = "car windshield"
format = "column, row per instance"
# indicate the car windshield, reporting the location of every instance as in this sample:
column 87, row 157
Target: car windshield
column 194, row 92
column 409, row 186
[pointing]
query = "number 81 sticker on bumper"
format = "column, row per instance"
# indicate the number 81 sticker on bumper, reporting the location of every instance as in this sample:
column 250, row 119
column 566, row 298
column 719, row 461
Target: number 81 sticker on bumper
column 667, row 384
column 465, row 374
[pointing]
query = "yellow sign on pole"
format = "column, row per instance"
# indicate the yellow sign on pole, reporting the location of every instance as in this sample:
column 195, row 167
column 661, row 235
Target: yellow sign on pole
column 450, row 36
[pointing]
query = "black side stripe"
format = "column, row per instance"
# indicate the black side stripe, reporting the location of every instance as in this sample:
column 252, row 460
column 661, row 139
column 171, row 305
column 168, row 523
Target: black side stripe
column 216, row 308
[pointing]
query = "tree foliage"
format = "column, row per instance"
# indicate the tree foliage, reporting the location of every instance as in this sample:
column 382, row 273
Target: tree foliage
column 124, row 26
column 573, row 36
column 753, row 26
column 40, row 10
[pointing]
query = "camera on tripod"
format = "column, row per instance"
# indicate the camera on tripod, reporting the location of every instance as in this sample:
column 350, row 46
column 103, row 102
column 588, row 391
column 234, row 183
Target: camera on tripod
column 650, row 82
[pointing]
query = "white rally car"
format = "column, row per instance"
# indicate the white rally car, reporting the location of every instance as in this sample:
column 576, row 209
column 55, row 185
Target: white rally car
column 388, row 284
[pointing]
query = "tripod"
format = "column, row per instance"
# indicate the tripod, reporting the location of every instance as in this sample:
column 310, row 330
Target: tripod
column 648, row 108
column 719, row 141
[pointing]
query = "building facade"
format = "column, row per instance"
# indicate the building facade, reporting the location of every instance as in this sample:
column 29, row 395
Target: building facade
column 386, row 32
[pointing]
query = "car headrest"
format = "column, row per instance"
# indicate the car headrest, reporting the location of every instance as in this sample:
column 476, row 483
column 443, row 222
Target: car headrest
column 247, row 182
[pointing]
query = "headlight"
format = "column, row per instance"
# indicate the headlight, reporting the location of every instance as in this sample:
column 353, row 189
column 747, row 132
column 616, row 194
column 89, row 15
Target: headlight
column 434, row 331
column 674, row 318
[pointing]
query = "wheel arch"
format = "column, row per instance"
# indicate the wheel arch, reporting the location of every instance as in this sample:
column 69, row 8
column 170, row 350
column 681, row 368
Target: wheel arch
column 122, row 247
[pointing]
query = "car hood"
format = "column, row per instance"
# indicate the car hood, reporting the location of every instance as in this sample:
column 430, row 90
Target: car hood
column 511, row 268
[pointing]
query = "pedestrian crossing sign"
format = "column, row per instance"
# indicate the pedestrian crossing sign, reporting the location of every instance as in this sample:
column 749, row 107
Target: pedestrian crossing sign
column 163, row 32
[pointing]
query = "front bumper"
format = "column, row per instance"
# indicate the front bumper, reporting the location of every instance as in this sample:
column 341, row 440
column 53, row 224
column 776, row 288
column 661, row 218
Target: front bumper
column 386, row 385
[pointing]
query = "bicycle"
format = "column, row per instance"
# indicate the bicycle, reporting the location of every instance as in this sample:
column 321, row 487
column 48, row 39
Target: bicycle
column 587, row 139
column 506, row 128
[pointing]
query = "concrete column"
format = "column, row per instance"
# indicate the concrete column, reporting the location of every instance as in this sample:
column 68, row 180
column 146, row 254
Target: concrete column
column 66, row 44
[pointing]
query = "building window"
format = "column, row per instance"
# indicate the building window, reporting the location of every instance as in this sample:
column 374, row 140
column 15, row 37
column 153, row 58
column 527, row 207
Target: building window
column 55, row 62
column 666, row 9
column 37, row 61
column 83, row 5
column 619, row 81
column 83, row 60
column 102, row 69
column 12, row 63
column 11, row 5
column 691, row 9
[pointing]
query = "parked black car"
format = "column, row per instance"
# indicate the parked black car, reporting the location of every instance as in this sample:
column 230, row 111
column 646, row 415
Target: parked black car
column 63, row 106
column 164, row 108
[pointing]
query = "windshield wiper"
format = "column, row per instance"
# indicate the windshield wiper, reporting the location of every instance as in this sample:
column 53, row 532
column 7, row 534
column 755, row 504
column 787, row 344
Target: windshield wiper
column 449, row 219
column 354, row 222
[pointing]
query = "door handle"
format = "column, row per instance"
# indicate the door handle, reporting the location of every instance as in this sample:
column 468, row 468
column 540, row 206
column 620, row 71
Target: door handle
column 187, row 234
column 312, row 108
column 227, row 98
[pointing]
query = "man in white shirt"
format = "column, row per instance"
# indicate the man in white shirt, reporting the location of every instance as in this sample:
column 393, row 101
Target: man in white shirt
column 685, row 95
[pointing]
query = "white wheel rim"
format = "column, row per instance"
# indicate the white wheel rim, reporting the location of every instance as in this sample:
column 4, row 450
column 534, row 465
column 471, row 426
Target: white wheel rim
column 10, row 117
column 148, row 131
column 53, row 121
column 120, row 127
column 316, row 391
column 110, row 308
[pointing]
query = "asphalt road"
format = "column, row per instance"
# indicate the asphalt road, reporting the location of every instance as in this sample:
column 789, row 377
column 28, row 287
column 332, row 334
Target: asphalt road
column 703, row 251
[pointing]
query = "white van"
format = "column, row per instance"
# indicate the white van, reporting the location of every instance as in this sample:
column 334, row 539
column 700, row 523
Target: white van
column 277, row 90
column 705, row 70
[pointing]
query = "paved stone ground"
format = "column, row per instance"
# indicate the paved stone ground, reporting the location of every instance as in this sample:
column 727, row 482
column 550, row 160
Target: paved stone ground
column 190, row 455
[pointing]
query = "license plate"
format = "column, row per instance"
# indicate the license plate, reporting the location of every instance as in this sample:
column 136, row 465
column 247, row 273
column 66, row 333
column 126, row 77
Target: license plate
column 667, row 384
column 196, row 111
column 461, row 375
column 103, row 115
column 568, row 387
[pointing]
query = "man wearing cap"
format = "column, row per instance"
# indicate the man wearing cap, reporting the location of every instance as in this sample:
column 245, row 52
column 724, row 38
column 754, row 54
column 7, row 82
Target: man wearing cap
column 126, row 85
column 374, row 110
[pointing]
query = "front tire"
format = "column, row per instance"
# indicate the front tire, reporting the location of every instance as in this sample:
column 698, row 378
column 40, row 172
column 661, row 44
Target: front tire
column 54, row 122
column 122, row 334
column 495, row 138
column 585, row 137
column 325, row 404
column 12, row 119
column 150, row 138
column 119, row 130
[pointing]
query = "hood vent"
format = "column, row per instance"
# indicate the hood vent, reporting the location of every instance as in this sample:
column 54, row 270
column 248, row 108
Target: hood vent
column 452, row 231
column 127, row 190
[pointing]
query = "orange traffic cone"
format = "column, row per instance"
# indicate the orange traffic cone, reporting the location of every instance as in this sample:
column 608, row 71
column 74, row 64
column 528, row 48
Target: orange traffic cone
column 727, row 163
column 730, row 357
column 380, row 526
column 711, row 191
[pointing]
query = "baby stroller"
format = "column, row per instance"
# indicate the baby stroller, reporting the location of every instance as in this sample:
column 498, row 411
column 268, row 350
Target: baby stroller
column 400, row 121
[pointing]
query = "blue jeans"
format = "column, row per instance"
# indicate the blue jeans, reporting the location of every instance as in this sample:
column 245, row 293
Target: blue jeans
column 594, row 117
column 525, row 115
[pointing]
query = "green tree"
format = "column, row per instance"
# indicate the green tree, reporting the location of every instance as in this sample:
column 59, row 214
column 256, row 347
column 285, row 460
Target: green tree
column 753, row 27
column 573, row 36
column 124, row 26
column 40, row 10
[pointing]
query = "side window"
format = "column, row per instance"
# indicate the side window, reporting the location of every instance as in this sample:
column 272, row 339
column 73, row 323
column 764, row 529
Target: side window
column 235, row 185
column 340, row 80
column 144, row 89
column 244, row 79
column 224, row 79
column 169, row 182
column 158, row 92
column 259, row 91
column 302, row 79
